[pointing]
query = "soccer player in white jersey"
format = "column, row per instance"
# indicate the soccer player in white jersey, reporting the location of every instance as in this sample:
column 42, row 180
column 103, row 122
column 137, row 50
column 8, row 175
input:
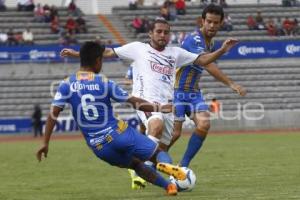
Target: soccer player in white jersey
column 156, row 65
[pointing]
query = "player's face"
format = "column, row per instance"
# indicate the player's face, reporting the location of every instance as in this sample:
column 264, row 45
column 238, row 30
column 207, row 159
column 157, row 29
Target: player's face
column 160, row 35
column 211, row 24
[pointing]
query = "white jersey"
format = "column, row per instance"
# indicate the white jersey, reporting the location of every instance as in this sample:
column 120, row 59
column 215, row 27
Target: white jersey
column 154, row 71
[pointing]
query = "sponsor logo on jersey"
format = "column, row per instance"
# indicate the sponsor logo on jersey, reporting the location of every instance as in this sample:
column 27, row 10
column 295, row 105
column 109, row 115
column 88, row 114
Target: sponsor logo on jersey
column 75, row 86
column 162, row 69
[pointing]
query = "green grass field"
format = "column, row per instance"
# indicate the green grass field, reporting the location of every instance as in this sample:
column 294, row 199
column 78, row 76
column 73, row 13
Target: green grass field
column 246, row 166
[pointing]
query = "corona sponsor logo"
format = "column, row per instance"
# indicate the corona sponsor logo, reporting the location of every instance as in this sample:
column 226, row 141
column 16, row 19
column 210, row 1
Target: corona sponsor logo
column 75, row 86
column 35, row 54
column 292, row 49
column 244, row 50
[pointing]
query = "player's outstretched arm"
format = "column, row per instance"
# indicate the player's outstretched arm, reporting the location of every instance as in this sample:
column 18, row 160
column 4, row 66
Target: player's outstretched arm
column 213, row 70
column 108, row 53
column 205, row 59
column 143, row 105
column 50, row 123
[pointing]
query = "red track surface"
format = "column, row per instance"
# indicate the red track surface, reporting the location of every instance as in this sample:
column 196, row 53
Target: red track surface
column 72, row 136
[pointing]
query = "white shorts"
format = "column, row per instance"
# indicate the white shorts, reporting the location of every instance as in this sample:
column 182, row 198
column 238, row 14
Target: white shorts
column 168, row 120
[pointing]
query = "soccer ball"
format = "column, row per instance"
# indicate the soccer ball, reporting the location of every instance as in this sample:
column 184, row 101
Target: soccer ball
column 185, row 185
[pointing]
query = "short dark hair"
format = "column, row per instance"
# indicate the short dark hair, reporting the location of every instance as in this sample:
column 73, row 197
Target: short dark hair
column 89, row 52
column 213, row 9
column 159, row 20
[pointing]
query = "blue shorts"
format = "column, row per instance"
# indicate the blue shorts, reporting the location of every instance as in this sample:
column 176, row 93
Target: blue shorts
column 120, row 148
column 187, row 103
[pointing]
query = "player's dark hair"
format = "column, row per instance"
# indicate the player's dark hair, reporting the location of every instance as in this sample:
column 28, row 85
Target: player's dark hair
column 213, row 9
column 89, row 52
column 159, row 20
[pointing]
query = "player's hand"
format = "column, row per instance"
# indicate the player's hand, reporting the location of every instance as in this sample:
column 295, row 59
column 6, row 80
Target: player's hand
column 167, row 108
column 229, row 43
column 238, row 89
column 41, row 151
column 68, row 53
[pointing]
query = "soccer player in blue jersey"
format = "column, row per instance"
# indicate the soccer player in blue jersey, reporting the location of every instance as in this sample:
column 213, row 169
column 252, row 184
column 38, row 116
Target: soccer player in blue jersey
column 188, row 99
column 111, row 140
column 156, row 64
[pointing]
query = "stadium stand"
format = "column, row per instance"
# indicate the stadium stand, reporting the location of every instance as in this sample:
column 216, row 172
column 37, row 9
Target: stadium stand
column 238, row 13
column 20, row 20
column 275, row 85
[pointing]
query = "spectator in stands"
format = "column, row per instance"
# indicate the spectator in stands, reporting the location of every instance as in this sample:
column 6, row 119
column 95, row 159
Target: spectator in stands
column 288, row 26
column 27, row 37
column 278, row 25
column 71, row 25
column 98, row 40
column 164, row 11
column 140, row 2
column 137, row 24
column 25, row 5
column 11, row 40
column 46, row 7
column 36, row 121
column 3, row 38
column 146, row 24
column 172, row 11
column 180, row 7
column 47, row 16
column 271, row 27
column 19, row 37
column 2, row 5
column 203, row 3
column 295, row 27
column 39, row 14
column 223, row 3
column 80, row 25
column 109, row 42
column 55, row 28
column 72, row 8
column 53, row 12
column 251, row 23
column 259, row 21
column 227, row 25
column 215, row 106
column 289, row 3
column 70, row 39
column 133, row 4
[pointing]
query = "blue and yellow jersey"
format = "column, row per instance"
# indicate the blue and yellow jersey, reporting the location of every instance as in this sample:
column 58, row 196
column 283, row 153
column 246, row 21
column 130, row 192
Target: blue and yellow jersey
column 187, row 77
column 89, row 96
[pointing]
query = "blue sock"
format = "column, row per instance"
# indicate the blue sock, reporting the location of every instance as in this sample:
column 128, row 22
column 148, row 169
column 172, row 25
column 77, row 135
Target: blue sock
column 161, row 182
column 148, row 173
column 163, row 157
column 193, row 147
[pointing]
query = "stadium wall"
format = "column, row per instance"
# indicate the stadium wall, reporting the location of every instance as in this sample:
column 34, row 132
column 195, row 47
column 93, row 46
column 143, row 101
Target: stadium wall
column 230, row 121
column 254, row 120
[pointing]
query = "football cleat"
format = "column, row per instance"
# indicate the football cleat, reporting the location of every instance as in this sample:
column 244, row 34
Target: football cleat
column 171, row 190
column 171, row 170
column 136, row 181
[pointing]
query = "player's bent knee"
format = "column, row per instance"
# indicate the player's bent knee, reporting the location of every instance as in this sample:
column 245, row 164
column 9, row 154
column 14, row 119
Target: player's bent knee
column 155, row 128
column 203, row 128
